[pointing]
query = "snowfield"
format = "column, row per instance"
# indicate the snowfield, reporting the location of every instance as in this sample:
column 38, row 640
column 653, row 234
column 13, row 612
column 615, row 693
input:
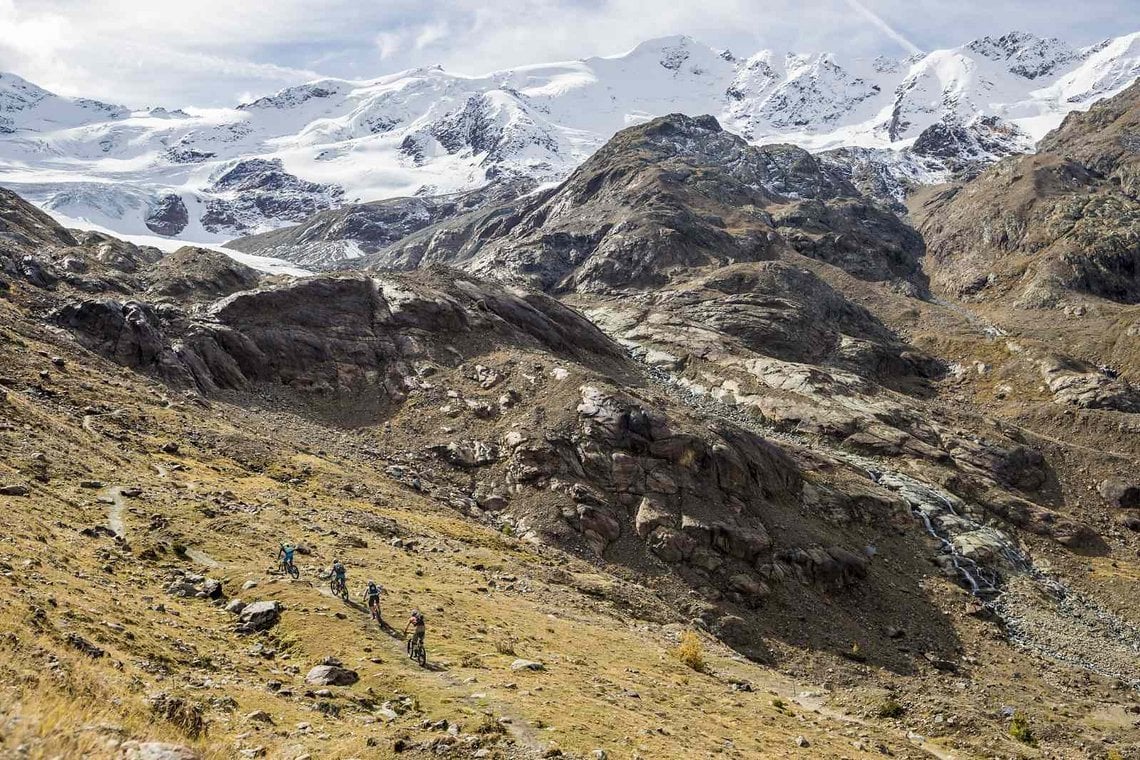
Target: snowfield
column 208, row 176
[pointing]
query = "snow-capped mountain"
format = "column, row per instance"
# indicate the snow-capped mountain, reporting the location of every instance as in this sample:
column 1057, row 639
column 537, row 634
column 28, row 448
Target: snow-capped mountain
column 210, row 175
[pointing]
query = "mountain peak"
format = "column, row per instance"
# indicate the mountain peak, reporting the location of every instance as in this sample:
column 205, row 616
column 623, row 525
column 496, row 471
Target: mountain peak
column 1029, row 56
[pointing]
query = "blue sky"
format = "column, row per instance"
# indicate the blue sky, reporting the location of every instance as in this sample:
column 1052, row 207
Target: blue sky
column 219, row 52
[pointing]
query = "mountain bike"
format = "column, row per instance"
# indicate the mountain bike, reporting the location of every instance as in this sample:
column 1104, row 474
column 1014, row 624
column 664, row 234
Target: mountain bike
column 416, row 650
column 290, row 569
column 339, row 588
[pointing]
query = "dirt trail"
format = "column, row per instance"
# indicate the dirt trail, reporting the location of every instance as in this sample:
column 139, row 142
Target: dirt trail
column 815, row 703
column 202, row 557
column 518, row 727
column 113, row 496
column 87, row 418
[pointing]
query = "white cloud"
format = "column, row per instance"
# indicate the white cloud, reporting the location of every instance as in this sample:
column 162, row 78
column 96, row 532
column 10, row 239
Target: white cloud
column 389, row 44
column 210, row 51
column 431, row 33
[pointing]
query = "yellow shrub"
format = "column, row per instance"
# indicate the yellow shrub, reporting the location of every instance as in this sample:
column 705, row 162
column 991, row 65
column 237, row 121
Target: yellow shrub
column 690, row 652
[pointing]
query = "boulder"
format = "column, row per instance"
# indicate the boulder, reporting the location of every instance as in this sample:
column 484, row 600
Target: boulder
column 1120, row 493
column 650, row 515
column 748, row 586
column 740, row 542
column 469, row 453
column 331, row 675
column 671, row 545
column 598, row 525
column 521, row 664
column 259, row 616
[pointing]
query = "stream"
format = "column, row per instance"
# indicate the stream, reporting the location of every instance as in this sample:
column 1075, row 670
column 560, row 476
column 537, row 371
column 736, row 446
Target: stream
column 1036, row 610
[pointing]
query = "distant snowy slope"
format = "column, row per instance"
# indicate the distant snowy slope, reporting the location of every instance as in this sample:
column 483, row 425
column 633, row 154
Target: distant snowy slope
column 211, row 175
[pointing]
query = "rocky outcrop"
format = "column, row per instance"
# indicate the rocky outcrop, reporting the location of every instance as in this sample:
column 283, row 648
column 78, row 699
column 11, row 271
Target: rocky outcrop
column 967, row 148
column 638, row 485
column 1082, row 385
column 251, row 192
column 338, row 237
column 167, row 216
column 193, row 274
column 322, row 334
column 129, row 333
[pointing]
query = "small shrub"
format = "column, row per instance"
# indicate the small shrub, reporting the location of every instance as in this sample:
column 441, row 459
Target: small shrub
column 1019, row 729
column 470, row 661
column 490, row 726
column 690, row 652
column 891, row 709
column 1114, row 754
column 184, row 714
column 506, row 645
column 779, row 704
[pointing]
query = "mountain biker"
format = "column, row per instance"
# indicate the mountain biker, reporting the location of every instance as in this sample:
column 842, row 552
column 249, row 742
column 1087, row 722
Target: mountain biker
column 339, row 573
column 372, row 598
column 285, row 554
column 416, row 622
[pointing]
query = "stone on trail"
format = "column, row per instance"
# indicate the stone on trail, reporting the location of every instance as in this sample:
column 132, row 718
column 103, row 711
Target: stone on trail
column 527, row 665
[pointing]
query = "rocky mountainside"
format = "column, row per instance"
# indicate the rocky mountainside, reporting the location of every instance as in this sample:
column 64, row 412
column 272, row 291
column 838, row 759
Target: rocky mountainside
column 1049, row 229
column 210, row 175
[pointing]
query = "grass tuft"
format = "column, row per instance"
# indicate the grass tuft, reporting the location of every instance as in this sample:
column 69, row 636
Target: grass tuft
column 890, row 708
